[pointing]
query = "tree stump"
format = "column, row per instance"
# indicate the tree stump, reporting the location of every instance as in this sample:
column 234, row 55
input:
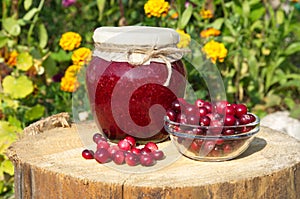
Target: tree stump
column 49, row 165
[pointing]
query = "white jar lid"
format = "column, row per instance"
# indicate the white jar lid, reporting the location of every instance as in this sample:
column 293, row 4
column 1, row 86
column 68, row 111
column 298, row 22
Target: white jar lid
column 137, row 35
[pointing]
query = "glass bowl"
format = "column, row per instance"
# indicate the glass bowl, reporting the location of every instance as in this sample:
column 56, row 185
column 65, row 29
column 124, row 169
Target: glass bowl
column 208, row 143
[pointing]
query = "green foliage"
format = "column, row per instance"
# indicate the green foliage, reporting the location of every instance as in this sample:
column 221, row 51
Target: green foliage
column 6, row 181
column 27, row 92
column 24, row 61
column 7, row 136
column 258, row 70
column 186, row 16
column 17, row 87
column 12, row 26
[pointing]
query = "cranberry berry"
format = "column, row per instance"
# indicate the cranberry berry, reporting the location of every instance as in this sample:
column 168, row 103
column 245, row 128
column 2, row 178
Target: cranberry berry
column 216, row 127
column 136, row 151
column 176, row 106
column 130, row 140
column 219, row 141
column 158, row 155
column 97, row 137
column 208, row 106
column 191, row 119
column 204, row 121
column 87, row 154
column 240, row 110
column 221, row 107
column 103, row 144
column 102, row 155
column 229, row 120
column 209, row 145
column 230, row 109
column 202, row 111
column 246, row 119
column 152, row 146
column 228, row 131
column 119, row 157
column 191, row 110
column 132, row 159
column 199, row 103
column 113, row 149
column 145, row 150
column 147, row 160
column 194, row 146
column 227, row 148
column 172, row 115
column 181, row 118
column 124, row 145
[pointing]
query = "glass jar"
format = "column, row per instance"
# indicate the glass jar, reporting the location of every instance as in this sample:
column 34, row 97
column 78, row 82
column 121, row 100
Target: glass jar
column 134, row 76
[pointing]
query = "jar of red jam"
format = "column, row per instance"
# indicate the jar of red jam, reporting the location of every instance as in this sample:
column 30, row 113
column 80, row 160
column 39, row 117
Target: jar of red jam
column 134, row 76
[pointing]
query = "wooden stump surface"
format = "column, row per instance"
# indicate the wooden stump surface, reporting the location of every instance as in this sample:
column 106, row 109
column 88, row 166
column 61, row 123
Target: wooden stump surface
column 49, row 165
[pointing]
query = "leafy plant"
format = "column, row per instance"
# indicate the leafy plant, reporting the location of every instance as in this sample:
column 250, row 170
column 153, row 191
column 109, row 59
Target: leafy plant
column 260, row 40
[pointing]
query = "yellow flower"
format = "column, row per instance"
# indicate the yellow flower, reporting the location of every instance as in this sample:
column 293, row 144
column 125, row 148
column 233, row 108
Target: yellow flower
column 69, row 82
column 156, row 8
column 206, row 14
column 81, row 56
column 175, row 15
column 215, row 51
column 70, row 41
column 210, row 32
column 265, row 51
column 185, row 39
column 72, row 70
column 12, row 59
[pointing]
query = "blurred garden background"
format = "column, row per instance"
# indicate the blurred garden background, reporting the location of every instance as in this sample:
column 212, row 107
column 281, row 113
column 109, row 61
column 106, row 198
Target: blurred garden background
column 45, row 43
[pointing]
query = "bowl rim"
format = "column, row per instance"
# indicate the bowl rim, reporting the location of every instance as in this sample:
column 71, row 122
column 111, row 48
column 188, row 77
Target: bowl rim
column 253, row 131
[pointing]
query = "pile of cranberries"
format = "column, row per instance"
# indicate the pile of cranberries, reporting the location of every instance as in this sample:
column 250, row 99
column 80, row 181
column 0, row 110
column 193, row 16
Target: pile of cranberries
column 125, row 152
column 214, row 119
column 203, row 113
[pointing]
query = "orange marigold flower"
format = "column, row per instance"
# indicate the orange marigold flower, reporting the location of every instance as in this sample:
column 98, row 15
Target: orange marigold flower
column 206, row 14
column 156, row 8
column 12, row 59
column 81, row 56
column 70, row 40
column 175, row 15
column 210, row 32
column 215, row 51
column 185, row 39
column 72, row 70
column 69, row 82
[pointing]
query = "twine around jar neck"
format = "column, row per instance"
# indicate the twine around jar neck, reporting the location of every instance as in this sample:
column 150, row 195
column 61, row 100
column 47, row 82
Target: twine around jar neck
column 165, row 53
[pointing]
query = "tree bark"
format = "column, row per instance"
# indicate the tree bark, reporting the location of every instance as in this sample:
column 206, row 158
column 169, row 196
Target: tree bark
column 49, row 165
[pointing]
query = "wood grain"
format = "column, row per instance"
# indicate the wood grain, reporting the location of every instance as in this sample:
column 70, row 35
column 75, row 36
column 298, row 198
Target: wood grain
column 49, row 165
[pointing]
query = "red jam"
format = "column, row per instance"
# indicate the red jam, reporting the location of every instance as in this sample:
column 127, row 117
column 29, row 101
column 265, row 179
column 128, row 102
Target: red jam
column 110, row 83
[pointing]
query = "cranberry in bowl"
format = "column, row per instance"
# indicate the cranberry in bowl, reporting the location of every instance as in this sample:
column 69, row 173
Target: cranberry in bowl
column 214, row 137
